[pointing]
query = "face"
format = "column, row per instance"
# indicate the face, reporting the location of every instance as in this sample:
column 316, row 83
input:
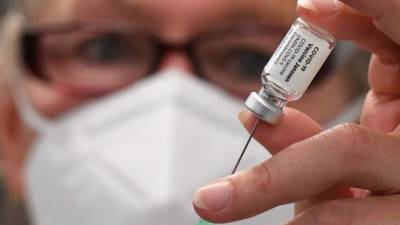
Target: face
column 244, row 30
column 99, row 37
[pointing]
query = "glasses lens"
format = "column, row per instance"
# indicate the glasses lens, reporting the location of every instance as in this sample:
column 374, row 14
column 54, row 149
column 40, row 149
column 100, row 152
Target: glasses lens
column 235, row 62
column 91, row 62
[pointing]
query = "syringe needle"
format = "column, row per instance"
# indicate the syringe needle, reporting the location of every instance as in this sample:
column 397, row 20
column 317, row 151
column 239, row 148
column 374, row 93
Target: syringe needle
column 203, row 222
column 245, row 147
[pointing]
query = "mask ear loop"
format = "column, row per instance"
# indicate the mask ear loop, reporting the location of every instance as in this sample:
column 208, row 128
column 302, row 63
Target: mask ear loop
column 14, row 80
column 26, row 110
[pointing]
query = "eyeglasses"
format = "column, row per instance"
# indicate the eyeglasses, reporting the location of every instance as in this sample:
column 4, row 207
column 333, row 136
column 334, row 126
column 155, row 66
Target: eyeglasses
column 92, row 59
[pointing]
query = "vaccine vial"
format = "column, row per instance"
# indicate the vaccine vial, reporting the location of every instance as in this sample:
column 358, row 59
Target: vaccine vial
column 291, row 70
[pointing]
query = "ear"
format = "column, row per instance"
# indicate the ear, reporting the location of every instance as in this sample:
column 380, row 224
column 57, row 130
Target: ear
column 15, row 138
column 14, row 135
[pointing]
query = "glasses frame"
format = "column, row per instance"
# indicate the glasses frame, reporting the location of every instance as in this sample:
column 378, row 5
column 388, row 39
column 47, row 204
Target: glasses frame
column 30, row 49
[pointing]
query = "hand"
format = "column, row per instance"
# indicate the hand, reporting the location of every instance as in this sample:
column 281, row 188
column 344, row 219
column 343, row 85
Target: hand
column 328, row 172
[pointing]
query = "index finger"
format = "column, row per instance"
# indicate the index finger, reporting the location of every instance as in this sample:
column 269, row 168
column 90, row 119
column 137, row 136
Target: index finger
column 346, row 23
column 295, row 126
column 385, row 15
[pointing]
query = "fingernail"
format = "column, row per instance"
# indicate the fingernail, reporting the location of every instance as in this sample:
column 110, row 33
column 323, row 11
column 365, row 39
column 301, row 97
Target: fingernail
column 243, row 117
column 214, row 197
column 321, row 7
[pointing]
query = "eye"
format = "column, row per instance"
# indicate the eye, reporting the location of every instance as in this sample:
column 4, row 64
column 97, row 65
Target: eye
column 249, row 62
column 107, row 49
column 244, row 64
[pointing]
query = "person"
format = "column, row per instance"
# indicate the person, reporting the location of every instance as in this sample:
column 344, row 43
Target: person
column 118, row 110
column 345, row 175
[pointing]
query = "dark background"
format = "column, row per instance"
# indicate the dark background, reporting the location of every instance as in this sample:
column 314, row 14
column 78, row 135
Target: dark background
column 4, row 4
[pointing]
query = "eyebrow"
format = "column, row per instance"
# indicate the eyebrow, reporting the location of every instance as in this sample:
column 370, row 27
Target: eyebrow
column 226, row 13
column 251, row 15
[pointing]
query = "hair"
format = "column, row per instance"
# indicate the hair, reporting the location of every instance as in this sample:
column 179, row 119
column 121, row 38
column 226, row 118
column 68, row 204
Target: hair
column 11, row 212
column 4, row 4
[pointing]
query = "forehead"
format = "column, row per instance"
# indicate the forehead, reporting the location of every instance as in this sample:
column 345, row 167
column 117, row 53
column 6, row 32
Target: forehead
column 191, row 13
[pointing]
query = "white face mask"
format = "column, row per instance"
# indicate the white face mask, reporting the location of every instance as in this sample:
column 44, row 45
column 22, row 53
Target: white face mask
column 135, row 157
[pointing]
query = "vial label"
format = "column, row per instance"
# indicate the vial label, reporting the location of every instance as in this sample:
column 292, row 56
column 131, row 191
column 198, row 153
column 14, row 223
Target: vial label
column 297, row 60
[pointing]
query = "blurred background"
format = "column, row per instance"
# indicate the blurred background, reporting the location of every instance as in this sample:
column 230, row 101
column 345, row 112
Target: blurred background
column 4, row 6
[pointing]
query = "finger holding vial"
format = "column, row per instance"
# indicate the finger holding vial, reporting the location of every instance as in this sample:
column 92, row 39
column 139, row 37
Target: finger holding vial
column 348, row 23
column 372, row 25
column 294, row 126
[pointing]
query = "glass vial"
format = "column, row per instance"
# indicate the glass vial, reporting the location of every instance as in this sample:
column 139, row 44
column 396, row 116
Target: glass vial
column 291, row 70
